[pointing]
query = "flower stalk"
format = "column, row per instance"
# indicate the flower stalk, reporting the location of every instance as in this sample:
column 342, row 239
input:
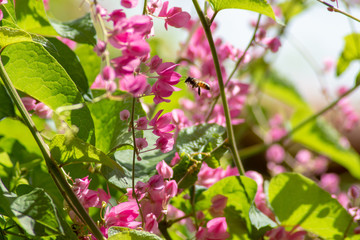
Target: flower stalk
column 229, row 127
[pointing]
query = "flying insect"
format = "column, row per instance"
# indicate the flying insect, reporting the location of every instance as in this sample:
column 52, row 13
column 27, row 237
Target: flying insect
column 197, row 84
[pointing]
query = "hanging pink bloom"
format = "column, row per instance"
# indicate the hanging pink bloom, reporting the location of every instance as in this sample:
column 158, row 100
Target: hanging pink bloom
column 154, row 63
column 275, row 153
column 124, row 115
column 141, row 123
column 164, row 170
column 141, row 143
column 29, row 103
column 122, row 215
column 1, row 15
column 151, row 224
column 100, row 48
column 174, row 17
column 215, row 229
column 100, row 83
column 153, row 5
column 125, row 64
column 218, row 205
column 108, row 73
column 134, row 85
column 116, row 16
column 273, row 44
column 43, row 111
column 70, row 43
column 330, row 182
column 162, row 125
column 129, row 3
column 164, row 144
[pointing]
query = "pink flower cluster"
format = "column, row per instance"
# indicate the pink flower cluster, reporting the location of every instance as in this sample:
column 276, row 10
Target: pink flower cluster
column 208, row 176
column 88, row 198
column 350, row 116
column 38, row 108
column 154, row 196
column 129, row 36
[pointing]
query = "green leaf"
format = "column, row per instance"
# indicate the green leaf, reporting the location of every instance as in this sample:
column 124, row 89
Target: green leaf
column 260, row 222
column 34, row 212
column 69, row 61
column 202, row 138
column 319, row 136
column 6, row 107
column 31, row 16
column 111, row 132
column 66, row 150
column 11, row 35
column 292, row 8
column 80, row 30
column 240, row 192
column 89, row 60
column 298, row 201
column 35, row 72
column 144, row 169
column 8, row 12
column 259, row 6
column 10, row 128
column 350, row 52
column 122, row 233
column 186, row 171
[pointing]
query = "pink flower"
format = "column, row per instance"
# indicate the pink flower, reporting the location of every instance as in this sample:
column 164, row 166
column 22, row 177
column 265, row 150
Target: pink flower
column 125, row 64
column 154, row 63
column 100, row 83
column 108, row 73
column 124, row 115
column 123, row 215
column 151, row 224
column 29, row 103
column 216, row 229
column 330, row 182
column 100, row 48
column 70, row 43
column 153, row 5
column 1, row 15
column 161, row 125
column 275, row 153
column 164, row 170
column 87, row 197
column 43, row 111
column 129, row 3
column 141, row 123
column 175, row 159
column 280, row 234
column 116, row 16
column 174, row 17
column 273, row 44
column 303, row 156
column 218, row 205
column 164, row 144
column 141, row 143
column 354, row 192
column 134, row 85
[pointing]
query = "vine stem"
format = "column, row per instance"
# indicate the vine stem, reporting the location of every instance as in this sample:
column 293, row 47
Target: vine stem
column 338, row 10
column 135, row 152
column 229, row 128
column 53, row 168
column 216, row 99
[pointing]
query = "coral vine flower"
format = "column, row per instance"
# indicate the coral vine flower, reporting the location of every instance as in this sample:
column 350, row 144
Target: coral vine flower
column 174, row 17
column 164, row 170
column 122, row 215
column 129, row 3
column 215, row 229
column 162, row 125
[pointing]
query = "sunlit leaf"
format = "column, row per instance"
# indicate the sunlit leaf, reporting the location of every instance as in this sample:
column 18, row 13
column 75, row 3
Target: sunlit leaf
column 260, row 6
column 298, row 201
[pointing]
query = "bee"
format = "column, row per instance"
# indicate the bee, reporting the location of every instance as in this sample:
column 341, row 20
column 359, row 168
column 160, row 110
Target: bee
column 197, row 84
